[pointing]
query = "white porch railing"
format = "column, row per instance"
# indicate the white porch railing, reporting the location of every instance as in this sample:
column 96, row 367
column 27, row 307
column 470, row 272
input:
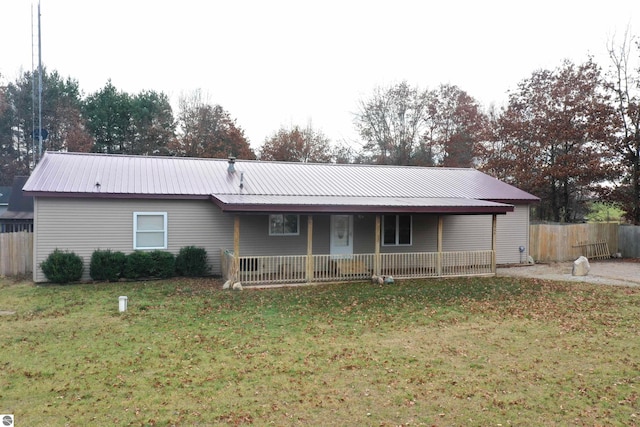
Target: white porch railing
column 329, row 268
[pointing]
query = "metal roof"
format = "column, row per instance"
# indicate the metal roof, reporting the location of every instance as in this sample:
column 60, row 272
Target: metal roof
column 269, row 185
column 251, row 203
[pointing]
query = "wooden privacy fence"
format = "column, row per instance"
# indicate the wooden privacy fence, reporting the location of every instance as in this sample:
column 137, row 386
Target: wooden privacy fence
column 629, row 241
column 16, row 253
column 566, row 242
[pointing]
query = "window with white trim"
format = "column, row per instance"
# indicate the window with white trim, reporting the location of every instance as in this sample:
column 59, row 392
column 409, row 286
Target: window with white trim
column 149, row 230
column 396, row 230
column 284, row 225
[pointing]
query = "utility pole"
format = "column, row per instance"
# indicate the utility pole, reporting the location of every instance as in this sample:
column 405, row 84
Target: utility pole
column 33, row 93
column 39, row 87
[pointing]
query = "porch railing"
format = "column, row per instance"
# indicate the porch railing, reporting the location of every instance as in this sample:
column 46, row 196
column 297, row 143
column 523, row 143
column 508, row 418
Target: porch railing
column 330, row 268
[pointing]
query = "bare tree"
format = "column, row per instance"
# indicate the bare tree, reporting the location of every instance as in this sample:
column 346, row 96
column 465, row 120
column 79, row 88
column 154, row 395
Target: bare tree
column 392, row 123
column 625, row 85
column 404, row 125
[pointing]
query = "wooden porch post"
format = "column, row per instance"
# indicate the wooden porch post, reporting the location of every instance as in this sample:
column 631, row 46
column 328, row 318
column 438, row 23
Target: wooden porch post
column 494, row 222
column 376, row 258
column 309, row 275
column 440, row 227
column 236, row 236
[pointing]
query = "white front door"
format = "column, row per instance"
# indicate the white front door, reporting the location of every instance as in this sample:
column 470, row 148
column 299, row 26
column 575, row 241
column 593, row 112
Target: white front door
column 342, row 235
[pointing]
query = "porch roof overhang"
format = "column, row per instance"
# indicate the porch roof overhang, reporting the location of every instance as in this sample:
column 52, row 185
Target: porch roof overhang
column 243, row 203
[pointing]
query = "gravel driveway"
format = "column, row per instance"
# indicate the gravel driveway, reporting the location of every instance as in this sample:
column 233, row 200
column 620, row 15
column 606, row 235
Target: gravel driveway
column 610, row 272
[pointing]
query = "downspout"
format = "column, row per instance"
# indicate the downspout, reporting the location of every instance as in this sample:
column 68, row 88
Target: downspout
column 439, row 245
column 377, row 268
column 236, row 249
column 310, row 266
column 494, row 222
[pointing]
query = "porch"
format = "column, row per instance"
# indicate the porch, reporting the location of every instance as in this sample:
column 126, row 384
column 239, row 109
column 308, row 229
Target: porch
column 335, row 267
column 328, row 268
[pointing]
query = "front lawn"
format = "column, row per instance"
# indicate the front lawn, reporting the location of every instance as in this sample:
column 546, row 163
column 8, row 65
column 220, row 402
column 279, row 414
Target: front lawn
column 484, row 351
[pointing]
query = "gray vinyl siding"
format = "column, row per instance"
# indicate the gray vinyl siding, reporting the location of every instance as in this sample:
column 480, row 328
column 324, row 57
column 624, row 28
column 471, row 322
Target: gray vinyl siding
column 460, row 233
column 256, row 241
column 513, row 232
column 473, row 232
column 84, row 225
column 466, row 233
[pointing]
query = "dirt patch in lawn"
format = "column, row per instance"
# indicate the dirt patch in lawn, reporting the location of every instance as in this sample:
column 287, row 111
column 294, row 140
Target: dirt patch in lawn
column 620, row 272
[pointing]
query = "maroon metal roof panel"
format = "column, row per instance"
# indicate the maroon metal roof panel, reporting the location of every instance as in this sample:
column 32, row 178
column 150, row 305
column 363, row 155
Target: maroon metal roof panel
column 102, row 175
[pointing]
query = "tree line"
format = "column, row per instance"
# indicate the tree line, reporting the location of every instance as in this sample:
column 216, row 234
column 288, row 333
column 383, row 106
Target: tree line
column 570, row 135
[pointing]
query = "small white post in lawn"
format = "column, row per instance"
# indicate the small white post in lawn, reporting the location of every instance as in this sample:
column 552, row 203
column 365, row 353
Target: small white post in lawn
column 123, row 301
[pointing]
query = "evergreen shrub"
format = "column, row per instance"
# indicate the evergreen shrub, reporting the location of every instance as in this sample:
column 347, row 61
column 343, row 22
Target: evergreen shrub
column 107, row 265
column 62, row 267
column 192, row 262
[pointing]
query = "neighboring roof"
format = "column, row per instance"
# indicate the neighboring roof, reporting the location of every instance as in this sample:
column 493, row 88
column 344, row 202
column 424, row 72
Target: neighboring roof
column 5, row 192
column 20, row 205
column 272, row 186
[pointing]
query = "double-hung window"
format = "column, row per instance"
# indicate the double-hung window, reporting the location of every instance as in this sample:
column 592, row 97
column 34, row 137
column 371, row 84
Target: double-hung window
column 396, row 230
column 149, row 230
column 284, row 225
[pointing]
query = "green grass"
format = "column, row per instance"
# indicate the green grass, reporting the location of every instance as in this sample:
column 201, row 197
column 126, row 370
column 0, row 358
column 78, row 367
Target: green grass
column 485, row 351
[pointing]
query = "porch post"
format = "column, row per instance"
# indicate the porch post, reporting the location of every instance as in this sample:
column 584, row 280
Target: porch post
column 494, row 222
column 309, row 275
column 236, row 236
column 376, row 258
column 439, row 244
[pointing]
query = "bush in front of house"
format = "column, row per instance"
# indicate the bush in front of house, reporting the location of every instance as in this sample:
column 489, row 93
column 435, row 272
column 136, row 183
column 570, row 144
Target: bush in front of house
column 107, row 265
column 138, row 264
column 163, row 264
column 62, row 267
column 192, row 262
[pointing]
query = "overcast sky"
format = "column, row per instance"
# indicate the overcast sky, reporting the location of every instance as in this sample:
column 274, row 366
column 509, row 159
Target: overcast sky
column 273, row 63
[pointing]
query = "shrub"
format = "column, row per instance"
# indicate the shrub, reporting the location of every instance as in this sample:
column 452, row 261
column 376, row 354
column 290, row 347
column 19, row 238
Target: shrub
column 158, row 263
column 138, row 264
column 62, row 267
column 192, row 262
column 163, row 264
column 107, row 265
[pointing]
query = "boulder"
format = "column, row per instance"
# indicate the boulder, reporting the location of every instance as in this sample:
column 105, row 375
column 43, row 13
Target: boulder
column 581, row 267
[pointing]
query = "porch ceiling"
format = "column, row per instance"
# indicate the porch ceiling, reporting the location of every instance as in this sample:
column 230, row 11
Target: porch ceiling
column 334, row 204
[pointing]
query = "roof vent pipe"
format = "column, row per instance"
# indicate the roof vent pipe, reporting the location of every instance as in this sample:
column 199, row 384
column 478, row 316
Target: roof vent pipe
column 232, row 165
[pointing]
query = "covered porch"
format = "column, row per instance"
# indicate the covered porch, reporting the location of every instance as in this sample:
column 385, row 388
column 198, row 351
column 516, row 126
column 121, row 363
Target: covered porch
column 313, row 267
